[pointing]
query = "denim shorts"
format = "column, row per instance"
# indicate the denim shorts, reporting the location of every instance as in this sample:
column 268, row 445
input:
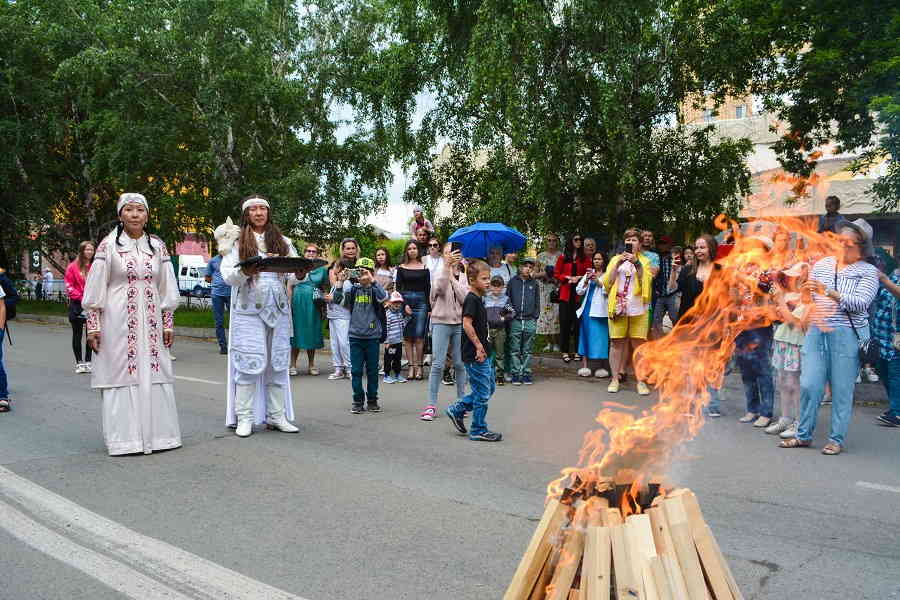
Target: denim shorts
column 418, row 324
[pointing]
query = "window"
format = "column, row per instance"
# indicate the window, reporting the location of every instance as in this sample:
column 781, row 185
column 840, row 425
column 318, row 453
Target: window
column 708, row 115
column 740, row 112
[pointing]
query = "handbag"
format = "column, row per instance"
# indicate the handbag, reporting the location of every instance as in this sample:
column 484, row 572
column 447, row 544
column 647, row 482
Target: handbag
column 868, row 352
column 554, row 295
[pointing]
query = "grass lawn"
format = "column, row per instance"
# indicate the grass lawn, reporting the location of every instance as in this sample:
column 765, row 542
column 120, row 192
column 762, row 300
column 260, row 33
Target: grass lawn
column 184, row 316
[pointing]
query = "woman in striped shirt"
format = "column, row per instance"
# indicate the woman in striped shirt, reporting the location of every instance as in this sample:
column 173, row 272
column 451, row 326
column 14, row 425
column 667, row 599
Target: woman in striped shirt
column 842, row 288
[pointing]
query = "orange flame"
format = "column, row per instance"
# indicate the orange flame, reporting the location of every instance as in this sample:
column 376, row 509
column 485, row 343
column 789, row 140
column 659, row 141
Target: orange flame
column 692, row 357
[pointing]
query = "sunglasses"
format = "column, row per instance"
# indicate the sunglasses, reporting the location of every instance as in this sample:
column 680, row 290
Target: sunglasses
column 434, row 245
column 576, row 239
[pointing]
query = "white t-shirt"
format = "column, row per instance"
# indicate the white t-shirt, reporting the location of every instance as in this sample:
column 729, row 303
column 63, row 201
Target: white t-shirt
column 626, row 272
column 2, row 293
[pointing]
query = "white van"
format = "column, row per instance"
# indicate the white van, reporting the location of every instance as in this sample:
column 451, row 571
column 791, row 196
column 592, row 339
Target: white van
column 192, row 276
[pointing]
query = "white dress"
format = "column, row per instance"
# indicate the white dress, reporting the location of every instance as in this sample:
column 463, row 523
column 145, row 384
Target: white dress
column 259, row 333
column 130, row 295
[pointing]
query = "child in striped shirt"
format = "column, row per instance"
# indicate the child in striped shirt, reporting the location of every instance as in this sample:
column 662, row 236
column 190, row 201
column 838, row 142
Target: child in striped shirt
column 393, row 343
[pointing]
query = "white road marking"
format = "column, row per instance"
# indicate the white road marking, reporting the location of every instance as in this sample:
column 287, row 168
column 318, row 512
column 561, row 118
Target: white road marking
column 111, row 573
column 198, row 380
column 878, row 486
column 176, row 568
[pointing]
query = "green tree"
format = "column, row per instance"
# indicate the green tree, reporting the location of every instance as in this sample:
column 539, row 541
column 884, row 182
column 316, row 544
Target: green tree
column 830, row 69
column 194, row 104
column 559, row 115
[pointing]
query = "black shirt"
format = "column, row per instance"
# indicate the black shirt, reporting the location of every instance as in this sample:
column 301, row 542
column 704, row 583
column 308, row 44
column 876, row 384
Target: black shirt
column 691, row 287
column 473, row 307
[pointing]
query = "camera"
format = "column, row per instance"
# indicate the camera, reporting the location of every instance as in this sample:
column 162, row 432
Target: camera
column 629, row 248
column 353, row 274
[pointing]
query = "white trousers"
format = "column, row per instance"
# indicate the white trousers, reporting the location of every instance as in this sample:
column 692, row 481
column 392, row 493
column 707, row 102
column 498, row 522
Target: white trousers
column 339, row 331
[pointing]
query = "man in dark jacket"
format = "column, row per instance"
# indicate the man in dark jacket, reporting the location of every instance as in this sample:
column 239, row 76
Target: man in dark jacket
column 525, row 299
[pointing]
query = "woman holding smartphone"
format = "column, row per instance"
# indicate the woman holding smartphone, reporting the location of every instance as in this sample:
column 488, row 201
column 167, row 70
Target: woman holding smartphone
column 593, row 341
column 628, row 282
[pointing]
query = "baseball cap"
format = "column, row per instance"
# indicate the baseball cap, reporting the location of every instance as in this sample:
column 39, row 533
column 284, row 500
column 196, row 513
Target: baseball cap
column 365, row 263
column 395, row 297
column 528, row 261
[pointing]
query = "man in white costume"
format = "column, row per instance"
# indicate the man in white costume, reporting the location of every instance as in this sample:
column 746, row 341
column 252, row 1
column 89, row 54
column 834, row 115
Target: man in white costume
column 259, row 346
column 130, row 295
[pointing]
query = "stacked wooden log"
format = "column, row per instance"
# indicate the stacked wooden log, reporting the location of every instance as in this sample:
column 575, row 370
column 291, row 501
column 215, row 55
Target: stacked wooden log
column 585, row 548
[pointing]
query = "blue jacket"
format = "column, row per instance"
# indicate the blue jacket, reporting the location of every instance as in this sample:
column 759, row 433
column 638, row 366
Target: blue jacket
column 524, row 297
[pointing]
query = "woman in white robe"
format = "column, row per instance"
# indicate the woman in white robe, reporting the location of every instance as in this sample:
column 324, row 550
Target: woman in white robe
column 130, row 295
column 260, row 328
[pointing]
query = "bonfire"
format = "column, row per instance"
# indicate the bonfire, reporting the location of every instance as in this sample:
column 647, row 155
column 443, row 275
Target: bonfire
column 613, row 528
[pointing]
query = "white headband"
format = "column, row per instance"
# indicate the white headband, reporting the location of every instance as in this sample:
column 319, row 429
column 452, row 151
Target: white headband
column 255, row 201
column 131, row 198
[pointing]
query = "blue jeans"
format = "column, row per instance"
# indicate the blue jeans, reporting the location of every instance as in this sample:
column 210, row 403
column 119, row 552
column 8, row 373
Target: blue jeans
column 482, row 380
column 889, row 371
column 219, row 305
column 715, row 403
column 753, row 353
column 443, row 337
column 833, row 357
column 364, row 354
column 4, row 390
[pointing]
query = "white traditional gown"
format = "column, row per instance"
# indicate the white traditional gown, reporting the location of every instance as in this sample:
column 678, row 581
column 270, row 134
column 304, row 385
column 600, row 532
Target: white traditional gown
column 129, row 296
column 259, row 332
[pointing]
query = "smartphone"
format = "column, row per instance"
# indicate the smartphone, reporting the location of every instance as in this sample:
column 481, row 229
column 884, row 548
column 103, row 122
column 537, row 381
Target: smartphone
column 629, row 248
column 455, row 246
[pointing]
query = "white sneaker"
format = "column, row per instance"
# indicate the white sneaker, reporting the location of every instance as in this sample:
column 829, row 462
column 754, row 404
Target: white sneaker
column 244, row 428
column 790, row 432
column 643, row 389
column 762, row 421
column 338, row 374
column 584, row 372
column 778, row 426
column 871, row 375
column 79, row 368
column 601, row 373
column 748, row 417
column 88, row 367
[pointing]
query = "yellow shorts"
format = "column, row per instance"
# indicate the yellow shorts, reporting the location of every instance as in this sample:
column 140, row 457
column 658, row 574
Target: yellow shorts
column 630, row 327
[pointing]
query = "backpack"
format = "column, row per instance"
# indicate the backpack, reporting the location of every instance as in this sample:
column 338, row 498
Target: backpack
column 11, row 297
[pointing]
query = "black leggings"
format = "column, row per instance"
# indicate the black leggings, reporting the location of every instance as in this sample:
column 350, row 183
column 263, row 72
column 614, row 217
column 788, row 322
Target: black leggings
column 568, row 323
column 392, row 359
column 78, row 332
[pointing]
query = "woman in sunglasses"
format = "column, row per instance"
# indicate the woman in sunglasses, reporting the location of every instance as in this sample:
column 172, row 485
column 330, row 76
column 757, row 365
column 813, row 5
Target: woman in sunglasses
column 568, row 271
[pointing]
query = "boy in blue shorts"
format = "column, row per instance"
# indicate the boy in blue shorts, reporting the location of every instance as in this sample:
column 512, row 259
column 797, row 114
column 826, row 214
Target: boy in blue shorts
column 478, row 357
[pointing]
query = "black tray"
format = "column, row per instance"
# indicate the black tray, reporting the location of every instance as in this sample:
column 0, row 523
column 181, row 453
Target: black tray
column 283, row 264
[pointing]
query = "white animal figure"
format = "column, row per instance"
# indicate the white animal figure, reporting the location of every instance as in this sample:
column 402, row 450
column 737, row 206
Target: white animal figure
column 226, row 235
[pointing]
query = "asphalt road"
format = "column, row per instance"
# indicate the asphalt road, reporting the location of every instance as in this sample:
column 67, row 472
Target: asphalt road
column 383, row 506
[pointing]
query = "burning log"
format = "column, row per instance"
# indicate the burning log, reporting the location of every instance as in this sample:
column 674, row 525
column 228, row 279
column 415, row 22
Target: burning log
column 647, row 547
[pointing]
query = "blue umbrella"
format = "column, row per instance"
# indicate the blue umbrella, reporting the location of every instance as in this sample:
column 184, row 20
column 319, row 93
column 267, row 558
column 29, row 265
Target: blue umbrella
column 477, row 239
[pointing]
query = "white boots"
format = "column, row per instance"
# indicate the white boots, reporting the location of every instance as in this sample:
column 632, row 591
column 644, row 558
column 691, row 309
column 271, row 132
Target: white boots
column 243, row 409
column 275, row 410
